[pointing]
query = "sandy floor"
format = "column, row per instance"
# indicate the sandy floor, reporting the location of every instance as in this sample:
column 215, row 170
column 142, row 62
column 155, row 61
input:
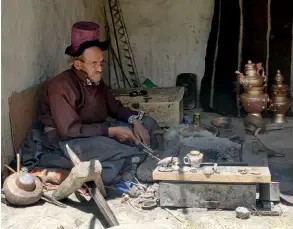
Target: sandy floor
column 79, row 215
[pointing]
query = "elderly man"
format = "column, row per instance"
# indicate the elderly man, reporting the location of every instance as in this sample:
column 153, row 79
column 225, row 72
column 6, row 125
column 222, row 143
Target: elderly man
column 77, row 102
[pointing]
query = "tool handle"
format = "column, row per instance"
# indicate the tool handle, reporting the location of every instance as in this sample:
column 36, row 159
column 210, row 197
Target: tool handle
column 72, row 156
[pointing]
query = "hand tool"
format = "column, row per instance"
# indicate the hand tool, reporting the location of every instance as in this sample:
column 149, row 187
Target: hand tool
column 122, row 186
column 125, row 187
column 149, row 151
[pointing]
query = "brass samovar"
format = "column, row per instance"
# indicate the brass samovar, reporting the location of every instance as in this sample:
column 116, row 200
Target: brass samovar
column 280, row 101
column 254, row 100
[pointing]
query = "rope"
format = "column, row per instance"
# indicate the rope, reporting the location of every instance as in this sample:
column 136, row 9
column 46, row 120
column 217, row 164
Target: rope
column 268, row 40
column 239, row 58
column 215, row 58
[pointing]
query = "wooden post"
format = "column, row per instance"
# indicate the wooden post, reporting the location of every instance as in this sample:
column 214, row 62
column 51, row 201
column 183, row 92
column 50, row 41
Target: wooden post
column 215, row 58
column 268, row 41
column 239, row 58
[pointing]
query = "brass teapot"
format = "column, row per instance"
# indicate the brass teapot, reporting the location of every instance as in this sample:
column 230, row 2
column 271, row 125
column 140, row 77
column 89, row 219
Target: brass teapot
column 253, row 76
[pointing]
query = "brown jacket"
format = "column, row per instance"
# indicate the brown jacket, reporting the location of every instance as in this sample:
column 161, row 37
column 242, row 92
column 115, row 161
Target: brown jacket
column 77, row 109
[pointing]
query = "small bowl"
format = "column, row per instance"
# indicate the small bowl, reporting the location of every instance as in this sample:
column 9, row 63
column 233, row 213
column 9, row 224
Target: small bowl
column 221, row 122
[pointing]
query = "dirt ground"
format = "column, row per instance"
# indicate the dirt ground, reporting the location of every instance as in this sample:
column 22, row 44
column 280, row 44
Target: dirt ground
column 80, row 215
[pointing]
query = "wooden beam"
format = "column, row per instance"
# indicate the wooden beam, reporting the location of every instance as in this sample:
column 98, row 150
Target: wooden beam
column 226, row 174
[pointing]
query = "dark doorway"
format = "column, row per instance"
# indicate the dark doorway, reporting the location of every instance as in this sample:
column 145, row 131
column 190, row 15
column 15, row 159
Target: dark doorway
column 254, row 48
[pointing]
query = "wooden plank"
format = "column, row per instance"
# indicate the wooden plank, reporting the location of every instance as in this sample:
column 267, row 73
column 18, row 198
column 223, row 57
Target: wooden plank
column 227, row 174
column 207, row 195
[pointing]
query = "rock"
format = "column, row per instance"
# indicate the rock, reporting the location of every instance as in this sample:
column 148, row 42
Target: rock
column 242, row 213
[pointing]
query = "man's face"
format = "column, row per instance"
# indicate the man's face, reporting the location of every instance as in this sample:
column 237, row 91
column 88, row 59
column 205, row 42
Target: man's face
column 91, row 63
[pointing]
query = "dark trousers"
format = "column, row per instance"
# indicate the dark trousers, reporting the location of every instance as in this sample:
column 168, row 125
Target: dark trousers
column 113, row 155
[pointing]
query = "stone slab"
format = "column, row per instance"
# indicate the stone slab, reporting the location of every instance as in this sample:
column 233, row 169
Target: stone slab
column 205, row 195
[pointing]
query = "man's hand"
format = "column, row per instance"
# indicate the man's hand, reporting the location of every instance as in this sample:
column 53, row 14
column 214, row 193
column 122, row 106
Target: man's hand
column 123, row 134
column 141, row 133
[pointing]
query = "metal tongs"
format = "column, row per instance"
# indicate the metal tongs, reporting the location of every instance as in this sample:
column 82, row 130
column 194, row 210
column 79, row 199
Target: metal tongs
column 149, row 151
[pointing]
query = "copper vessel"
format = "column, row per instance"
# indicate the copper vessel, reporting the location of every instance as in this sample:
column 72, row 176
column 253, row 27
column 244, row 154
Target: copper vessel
column 254, row 103
column 254, row 100
column 279, row 88
column 280, row 101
